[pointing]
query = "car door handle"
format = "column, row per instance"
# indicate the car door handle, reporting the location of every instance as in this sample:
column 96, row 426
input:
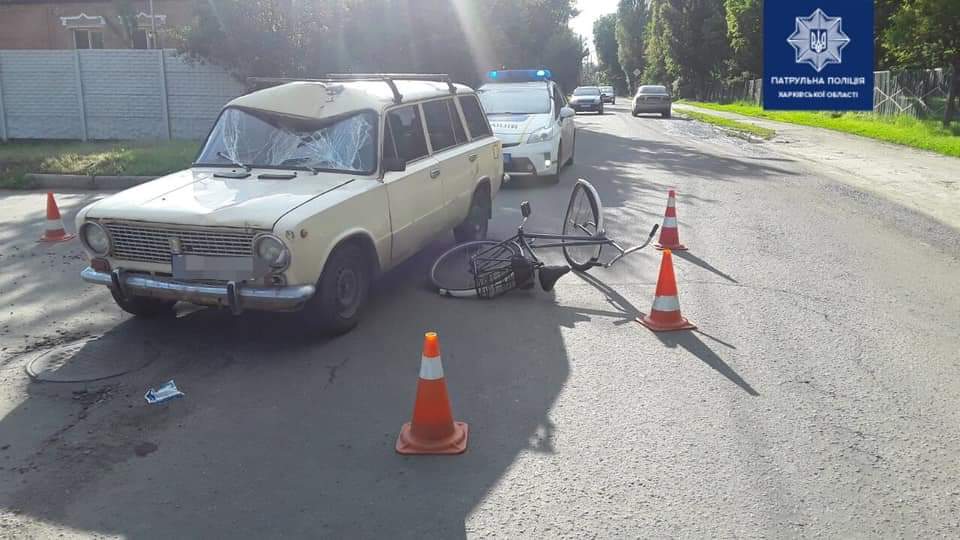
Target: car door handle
column 472, row 157
column 434, row 173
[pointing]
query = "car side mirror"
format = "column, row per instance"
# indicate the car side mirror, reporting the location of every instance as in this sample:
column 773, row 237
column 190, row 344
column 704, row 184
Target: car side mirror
column 525, row 209
column 567, row 112
column 394, row 164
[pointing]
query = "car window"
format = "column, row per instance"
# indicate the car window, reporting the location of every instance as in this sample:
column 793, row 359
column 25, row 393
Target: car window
column 458, row 128
column 476, row 121
column 652, row 90
column 407, row 132
column 439, row 124
column 587, row 91
column 515, row 99
column 265, row 139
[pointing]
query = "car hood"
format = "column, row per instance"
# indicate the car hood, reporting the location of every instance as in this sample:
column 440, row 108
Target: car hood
column 514, row 128
column 197, row 197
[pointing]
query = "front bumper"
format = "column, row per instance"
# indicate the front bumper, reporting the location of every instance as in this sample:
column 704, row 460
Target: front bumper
column 233, row 295
column 586, row 106
column 530, row 159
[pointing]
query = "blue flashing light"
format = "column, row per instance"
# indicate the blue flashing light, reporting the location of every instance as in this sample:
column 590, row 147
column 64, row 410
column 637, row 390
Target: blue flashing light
column 519, row 75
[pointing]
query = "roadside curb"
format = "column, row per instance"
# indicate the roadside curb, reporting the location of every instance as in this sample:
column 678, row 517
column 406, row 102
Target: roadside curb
column 79, row 181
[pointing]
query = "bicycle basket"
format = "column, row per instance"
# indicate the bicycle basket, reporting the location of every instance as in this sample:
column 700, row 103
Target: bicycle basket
column 492, row 280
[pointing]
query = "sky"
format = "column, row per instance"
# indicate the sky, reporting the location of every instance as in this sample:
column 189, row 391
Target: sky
column 591, row 10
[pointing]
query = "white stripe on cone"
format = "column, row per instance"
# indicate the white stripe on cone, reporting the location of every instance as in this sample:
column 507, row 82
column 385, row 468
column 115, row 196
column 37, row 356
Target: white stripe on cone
column 431, row 369
column 666, row 303
column 671, row 202
column 669, row 223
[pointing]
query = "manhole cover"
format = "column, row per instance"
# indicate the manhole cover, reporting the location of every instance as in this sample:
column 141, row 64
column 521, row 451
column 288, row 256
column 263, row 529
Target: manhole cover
column 89, row 360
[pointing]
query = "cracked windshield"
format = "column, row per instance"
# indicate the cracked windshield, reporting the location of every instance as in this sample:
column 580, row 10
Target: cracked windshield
column 479, row 269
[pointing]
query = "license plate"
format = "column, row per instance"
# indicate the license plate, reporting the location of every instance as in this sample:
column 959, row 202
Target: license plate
column 507, row 158
column 200, row 267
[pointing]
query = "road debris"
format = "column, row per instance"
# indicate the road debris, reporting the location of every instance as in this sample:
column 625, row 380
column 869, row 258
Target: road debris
column 165, row 393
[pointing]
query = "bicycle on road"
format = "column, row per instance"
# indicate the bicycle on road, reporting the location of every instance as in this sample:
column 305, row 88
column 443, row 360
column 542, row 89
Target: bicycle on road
column 489, row 268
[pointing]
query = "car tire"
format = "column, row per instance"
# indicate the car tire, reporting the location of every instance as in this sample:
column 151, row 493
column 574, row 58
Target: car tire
column 666, row 114
column 143, row 307
column 572, row 150
column 613, row 102
column 342, row 290
column 601, row 110
column 476, row 224
column 634, row 113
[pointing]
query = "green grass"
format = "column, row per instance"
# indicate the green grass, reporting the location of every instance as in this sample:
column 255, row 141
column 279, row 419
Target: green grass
column 906, row 130
column 739, row 127
column 126, row 158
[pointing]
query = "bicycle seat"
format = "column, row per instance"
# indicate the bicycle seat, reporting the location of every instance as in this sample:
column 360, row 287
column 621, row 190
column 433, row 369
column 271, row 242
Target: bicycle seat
column 550, row 274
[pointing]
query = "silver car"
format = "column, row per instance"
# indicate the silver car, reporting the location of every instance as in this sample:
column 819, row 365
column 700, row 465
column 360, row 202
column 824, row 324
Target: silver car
column 652, row 99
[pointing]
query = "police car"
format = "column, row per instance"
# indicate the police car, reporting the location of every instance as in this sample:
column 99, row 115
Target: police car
column 529, row 114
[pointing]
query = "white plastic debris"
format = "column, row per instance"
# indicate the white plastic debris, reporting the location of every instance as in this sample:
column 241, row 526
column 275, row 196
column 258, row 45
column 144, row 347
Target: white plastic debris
column 165, row 393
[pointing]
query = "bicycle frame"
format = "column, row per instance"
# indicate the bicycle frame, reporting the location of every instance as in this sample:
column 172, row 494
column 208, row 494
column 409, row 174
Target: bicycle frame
column 524, row 241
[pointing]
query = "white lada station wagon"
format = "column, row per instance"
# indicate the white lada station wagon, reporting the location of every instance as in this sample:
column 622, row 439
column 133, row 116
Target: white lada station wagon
column 302, row 193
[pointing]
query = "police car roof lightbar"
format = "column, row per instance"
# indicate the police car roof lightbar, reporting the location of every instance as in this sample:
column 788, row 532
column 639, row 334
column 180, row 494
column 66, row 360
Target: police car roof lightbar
column 519, row 75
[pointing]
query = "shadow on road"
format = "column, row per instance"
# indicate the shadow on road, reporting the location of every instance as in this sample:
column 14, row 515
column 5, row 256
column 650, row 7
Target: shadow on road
column 282, row 433
column 690, row 257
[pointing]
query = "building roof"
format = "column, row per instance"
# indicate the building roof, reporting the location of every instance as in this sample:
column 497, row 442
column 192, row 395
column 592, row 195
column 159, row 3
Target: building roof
column 325, row 99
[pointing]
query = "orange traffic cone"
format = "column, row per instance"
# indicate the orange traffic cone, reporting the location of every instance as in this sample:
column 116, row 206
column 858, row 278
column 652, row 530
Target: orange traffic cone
column 54, row 231
column 665, row 313
column 669, row 233
column 432, row 430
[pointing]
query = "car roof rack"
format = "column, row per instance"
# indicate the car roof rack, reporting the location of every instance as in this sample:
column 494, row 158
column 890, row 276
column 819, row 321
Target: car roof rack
column 387, row 78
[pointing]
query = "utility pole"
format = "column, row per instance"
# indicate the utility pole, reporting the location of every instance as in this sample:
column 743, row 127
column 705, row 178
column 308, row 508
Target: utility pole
column 153, row 28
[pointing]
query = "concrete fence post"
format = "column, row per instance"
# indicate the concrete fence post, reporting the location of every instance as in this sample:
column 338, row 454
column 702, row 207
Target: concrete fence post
column 164, row 97
column 3, row 111
column 80, row 99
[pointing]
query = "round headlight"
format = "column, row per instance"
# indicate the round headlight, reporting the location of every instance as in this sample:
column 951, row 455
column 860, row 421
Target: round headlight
column 95, row 238
column 272, row 251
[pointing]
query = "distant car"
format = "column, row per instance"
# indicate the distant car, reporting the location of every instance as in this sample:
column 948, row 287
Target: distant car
column 587, row 98
column 652, row 99
column 608, row 95
column 529, row 115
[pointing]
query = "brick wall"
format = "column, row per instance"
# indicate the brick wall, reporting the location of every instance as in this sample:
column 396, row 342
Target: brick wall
column 119, row 94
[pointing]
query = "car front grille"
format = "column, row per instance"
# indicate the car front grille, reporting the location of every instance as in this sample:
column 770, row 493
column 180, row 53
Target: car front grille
column 148, row 242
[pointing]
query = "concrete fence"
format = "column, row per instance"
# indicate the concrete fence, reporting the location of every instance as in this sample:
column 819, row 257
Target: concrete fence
column 109, row 94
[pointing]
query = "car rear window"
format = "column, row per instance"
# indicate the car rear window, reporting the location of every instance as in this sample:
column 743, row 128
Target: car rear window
column 476, row 121
column 652, row 90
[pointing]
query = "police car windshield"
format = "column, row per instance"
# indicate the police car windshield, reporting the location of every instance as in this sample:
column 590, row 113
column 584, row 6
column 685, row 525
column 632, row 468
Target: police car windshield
column 587, row 91
column 514, row 100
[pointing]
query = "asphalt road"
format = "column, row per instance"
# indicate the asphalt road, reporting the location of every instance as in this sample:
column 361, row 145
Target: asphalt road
column 818, row 397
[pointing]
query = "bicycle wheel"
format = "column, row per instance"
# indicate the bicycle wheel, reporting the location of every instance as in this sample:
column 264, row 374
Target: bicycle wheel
column 454, row 273
column 583, row 222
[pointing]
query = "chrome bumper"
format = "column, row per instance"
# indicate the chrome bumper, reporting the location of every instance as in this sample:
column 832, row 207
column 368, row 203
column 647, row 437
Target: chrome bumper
column 235, row 296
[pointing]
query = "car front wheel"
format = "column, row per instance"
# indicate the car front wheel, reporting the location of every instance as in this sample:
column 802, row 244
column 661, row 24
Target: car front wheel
column 342, row 290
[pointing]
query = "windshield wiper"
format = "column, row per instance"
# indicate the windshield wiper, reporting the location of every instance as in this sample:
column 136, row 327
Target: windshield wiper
column 235, row 162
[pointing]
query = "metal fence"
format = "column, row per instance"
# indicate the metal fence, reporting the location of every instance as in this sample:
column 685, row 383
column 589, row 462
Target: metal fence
column 921, row 93
column 109, row 94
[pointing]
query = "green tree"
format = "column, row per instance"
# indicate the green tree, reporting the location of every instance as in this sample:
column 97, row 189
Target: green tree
column 926, row 33
column 464, row 38
column 746, row 37
column 605, row 41
column 631, row 25
column 697, row 44
column 655, row 48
